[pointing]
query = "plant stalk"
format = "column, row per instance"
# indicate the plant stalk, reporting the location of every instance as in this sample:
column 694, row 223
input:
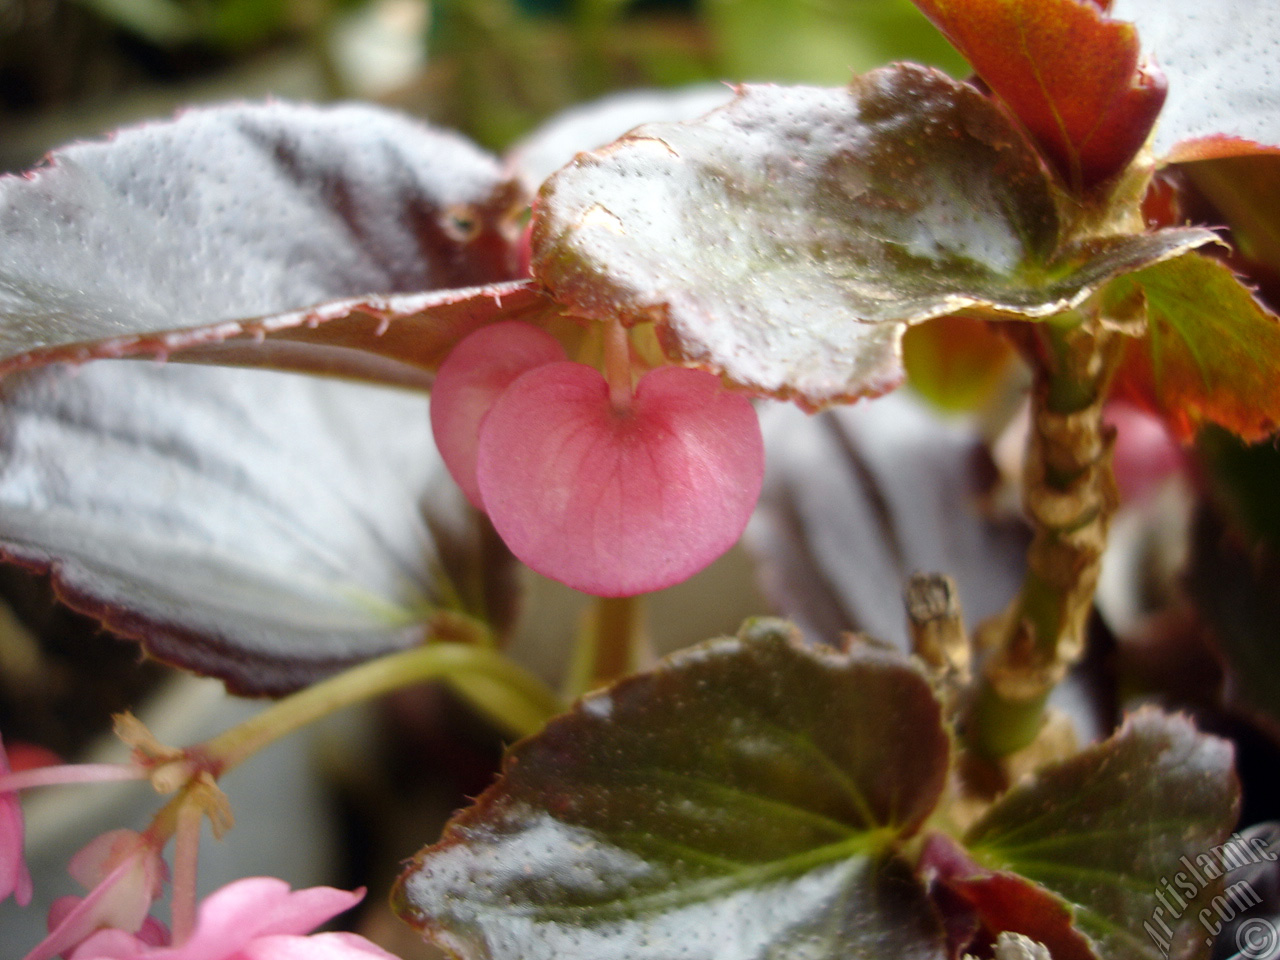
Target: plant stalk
column 1070, row 496
column 511, row 696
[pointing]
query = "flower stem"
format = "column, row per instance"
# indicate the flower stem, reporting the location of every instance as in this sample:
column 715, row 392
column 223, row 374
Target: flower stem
column 1070, row 496
column 71, row 773
column 617, row 365
column 611, row 644
column 511, row 696
column 186, row 856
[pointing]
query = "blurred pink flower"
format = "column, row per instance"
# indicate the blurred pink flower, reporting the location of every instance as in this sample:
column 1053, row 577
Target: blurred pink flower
column 15, row 879
column 259, row 918
column 124, row 874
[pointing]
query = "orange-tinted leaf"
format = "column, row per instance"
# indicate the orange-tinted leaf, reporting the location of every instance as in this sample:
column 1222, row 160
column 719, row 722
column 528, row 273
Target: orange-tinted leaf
column 1067, row 70
column 1211, row 349
column 956, row 362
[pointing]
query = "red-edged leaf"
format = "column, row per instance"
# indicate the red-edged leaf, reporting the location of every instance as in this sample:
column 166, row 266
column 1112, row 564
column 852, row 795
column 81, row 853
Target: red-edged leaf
column 1067, row 70
column 261, row 527
column 742, row 800
column 1005, row 901
column 245, row 222
column 786, row 240
column 1211, row 349
column 1222, row 61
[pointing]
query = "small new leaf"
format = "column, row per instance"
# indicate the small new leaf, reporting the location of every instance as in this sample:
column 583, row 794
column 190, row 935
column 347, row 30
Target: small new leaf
column 742, row 800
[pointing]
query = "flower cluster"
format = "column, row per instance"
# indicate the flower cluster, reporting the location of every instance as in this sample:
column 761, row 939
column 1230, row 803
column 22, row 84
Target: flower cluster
column 258, row 918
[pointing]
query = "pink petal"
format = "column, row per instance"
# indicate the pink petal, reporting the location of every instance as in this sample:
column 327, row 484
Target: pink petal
column 322, row 946
column 111, row 945
column 15, row 879
column 120, row 901
column 471, row 379
column 234, row 916
column 618, row 504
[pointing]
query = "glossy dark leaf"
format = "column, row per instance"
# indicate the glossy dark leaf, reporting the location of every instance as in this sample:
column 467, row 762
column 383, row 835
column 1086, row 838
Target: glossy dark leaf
column 261, row 527
column 1067, row 70
column 233, row 222
column 1106, row 830
column 859, row 498
column 1222, row 61
column 787, row 239
column 1211, row 348
column 740, row 801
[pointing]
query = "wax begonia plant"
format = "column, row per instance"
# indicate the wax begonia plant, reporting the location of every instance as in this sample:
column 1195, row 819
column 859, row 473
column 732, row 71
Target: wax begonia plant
column 754, row 796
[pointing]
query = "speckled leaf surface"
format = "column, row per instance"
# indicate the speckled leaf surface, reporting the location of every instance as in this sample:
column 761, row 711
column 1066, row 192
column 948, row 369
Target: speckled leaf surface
column 236, row 221
column 1210, row 351
column 787, row 239
column 1105, row 831
column 261, row 527
column 1222, row 61
column 739, row 801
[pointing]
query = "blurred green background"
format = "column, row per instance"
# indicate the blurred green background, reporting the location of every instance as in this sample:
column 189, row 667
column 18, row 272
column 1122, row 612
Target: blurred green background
column 492, row 68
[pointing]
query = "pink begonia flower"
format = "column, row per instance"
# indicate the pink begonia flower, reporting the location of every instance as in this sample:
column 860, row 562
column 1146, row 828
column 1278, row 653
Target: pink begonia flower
column 609, row 501
column 15, row 878
column 124, row 873
column 473, row 376
column 258, row 918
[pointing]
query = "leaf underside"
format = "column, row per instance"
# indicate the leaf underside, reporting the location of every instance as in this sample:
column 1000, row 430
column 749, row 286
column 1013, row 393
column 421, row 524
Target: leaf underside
column 1105, row 830
column 248, row 222
column 264, row 528
column 787, row 239
column 859, row 498
column 739, row 801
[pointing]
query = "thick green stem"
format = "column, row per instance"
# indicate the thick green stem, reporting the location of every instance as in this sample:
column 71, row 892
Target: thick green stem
column 514, row 698
column 1070, row 496
column 611, row 644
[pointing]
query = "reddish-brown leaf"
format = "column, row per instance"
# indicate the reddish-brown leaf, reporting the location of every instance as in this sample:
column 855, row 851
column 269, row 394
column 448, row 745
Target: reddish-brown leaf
column 1068, row 71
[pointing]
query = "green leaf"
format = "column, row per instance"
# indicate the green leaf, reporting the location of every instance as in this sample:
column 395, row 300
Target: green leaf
column 1107, row 830
column 1211, row 348
column 742, row 800
column 787, row 239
